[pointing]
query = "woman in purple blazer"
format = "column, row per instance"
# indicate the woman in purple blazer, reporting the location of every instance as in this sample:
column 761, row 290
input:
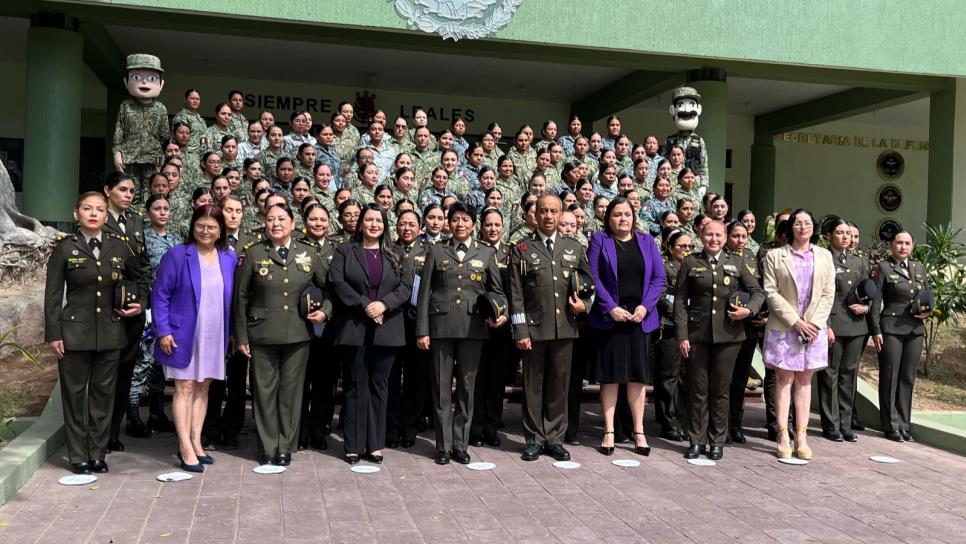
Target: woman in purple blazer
column 629, row 277
column 191, row 309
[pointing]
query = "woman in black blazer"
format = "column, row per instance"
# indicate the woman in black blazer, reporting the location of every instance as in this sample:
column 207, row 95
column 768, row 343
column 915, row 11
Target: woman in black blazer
column 370, row 285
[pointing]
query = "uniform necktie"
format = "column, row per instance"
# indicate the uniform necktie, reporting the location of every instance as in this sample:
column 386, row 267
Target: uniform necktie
column 842, row 258
column 461, row 250
column 407, row 249
column 232, row 240
column 95, row 246
column 550, row 245
column 714, row 262
column 122, row 222
column 461, row 247
column 904, row 265
column 283, row 253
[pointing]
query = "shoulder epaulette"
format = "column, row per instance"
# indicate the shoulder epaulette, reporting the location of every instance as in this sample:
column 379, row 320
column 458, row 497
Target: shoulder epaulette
column 248, row 245
column 303, row 241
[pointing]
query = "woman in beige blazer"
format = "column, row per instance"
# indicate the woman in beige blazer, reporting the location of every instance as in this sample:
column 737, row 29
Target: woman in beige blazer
column 799, row 282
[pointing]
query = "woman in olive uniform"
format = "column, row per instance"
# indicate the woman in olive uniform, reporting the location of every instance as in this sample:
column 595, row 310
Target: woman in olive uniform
column 451, row 326
column 709, row 335
column 269, row 330
column 670, row 390
column 87, row 335
column 847, row 334
column 897, row 332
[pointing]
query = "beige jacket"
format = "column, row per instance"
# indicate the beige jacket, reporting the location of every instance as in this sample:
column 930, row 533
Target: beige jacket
column 781, row 292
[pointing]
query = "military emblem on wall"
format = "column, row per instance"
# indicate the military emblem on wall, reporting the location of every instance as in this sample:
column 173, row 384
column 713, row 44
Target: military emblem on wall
column 888, row 228
column 890, row 164
column 888, row 198
column 458, row 19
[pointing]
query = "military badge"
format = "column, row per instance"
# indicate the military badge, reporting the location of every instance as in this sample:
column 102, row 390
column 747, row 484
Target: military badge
column 263, row 271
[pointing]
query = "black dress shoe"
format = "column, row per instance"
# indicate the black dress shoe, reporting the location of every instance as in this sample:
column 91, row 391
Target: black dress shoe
column 476, row 441
column 197, row 467
column 557, row 451
column 81, row 468
column 492, row 440
column 442, row 458
column 283, row 459
column 210, row 442
column 376, row 458
column 407, row 442
column 319, row 442
column 137, row 428
column 114, row 445
column 673, row 435
column 461, row 457
column 641, row 450
column 906, row 436
column 206, row 459
column 531, row 452
column 715, row 453
column 737, row 437
column 849, row 436
column 694, row 451
column 894, row 436
column 606, row 450
column 351, row 458
column 858, row 427
column 228, row 442
column 99, row 466
column 834, row 436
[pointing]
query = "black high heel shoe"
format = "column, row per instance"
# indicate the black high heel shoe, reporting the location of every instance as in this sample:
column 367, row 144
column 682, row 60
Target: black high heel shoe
column 606, row 450
column 190, row 468
column 642, row 450
column 352, row 458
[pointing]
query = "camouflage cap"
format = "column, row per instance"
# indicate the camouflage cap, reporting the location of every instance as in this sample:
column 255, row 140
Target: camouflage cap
column 684, row 92
column 143, row 61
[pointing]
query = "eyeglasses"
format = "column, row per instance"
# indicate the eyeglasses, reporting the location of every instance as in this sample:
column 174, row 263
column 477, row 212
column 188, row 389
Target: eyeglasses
column 684, row 246
column 801, row 226
column 205, row 228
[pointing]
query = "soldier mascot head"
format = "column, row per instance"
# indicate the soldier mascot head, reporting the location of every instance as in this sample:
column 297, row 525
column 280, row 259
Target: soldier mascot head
column 686, row 110
column 142, row 121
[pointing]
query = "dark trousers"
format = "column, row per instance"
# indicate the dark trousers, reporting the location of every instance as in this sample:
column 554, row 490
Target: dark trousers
column 279, row 375
column 453, row 422
column 898, row 362
column 709, row 380
column 836, row 383
column 582, row 352
column 739, row 379
column 365, row 388
column 88, row 381
column 318, row 395
column 546, row 379
column 491, row 382
column 416, row 383
column 125, row 373
column 670, row 389
column 228, row 420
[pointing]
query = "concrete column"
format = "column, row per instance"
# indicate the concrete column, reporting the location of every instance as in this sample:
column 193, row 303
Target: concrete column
column 712, row 85
column 52, row 146
column 762, row 186
column 946, row 199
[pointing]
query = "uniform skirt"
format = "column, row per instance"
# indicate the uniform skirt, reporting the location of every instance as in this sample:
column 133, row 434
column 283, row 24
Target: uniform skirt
column 623, row 355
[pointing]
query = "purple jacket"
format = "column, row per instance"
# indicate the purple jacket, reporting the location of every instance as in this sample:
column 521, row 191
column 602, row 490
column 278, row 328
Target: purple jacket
column 174, row 300
column 602, row 256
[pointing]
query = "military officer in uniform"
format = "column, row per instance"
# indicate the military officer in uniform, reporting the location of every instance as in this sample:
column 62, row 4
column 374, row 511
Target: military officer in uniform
column 88, row 334
column 543, row 314
column 709, row 332
column 126, row 226
column 848, row 331
column 451, row 325
column 269, row 281
column 670, row 390
column 897, row 332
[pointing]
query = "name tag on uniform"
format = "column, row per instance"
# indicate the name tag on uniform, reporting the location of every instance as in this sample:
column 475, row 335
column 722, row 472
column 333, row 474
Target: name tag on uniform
column 263, row 261
column 476, row 263
column 700, row 269
column 730, row 268
column 76, row 259
column 572, row 258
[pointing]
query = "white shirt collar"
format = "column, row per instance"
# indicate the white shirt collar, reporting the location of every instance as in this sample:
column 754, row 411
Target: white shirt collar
column 543, row 237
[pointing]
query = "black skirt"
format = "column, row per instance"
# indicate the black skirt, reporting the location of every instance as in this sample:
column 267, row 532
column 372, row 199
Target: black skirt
column 623, row 355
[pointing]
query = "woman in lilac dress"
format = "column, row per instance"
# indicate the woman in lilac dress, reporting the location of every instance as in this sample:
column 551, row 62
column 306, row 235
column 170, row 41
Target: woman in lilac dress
column 799, row 282
column 191, row 305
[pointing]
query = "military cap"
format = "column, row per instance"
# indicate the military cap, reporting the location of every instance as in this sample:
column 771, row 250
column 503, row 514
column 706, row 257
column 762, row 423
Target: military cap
column 862, row 293
column 492, row 305
column 923, row 302
column 739, row 299
column 582, row 284
column 310, row 300
column 143, row 61
column 125, row 294
column 685, row 92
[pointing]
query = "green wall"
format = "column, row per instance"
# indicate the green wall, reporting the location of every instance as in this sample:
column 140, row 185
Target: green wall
column 884, row 35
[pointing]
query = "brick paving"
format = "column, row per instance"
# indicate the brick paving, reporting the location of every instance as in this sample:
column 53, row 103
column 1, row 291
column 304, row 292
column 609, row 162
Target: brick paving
column 841, row 497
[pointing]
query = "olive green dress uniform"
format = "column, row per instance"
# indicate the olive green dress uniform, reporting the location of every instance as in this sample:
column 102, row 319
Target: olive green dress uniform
column 140, row 135
column 447, row 312
column 539, row 310
column 902, row 339
column 742, row 369
column 266, row 310
column 670, row 389
column 836, row 389
column 700, row 316
column 132, row 235
column 92, row 333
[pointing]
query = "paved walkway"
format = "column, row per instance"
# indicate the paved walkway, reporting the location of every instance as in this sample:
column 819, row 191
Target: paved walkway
column 748, row 497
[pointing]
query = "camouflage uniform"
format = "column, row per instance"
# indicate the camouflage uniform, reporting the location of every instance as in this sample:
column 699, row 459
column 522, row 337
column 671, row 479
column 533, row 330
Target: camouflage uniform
column 525, row 165
column 492, row 158
column 364, row 194
column 213, row 135
column 398, row 195
column 423, row 163
column 345, row 146
column 651, row 213
column 692, row 194
column 197, row 124
column 458, row 185
column 695, row 154
column 329, row 156
column 433, row 144
column 431, row 196
column 269, row 158
column 248, row 150
column 140, row 135
column 294, row 141
column 307, row 173
column 239, row 126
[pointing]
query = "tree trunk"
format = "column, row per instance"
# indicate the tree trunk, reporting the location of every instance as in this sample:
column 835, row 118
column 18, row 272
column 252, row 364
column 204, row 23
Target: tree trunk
column 17, row 229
